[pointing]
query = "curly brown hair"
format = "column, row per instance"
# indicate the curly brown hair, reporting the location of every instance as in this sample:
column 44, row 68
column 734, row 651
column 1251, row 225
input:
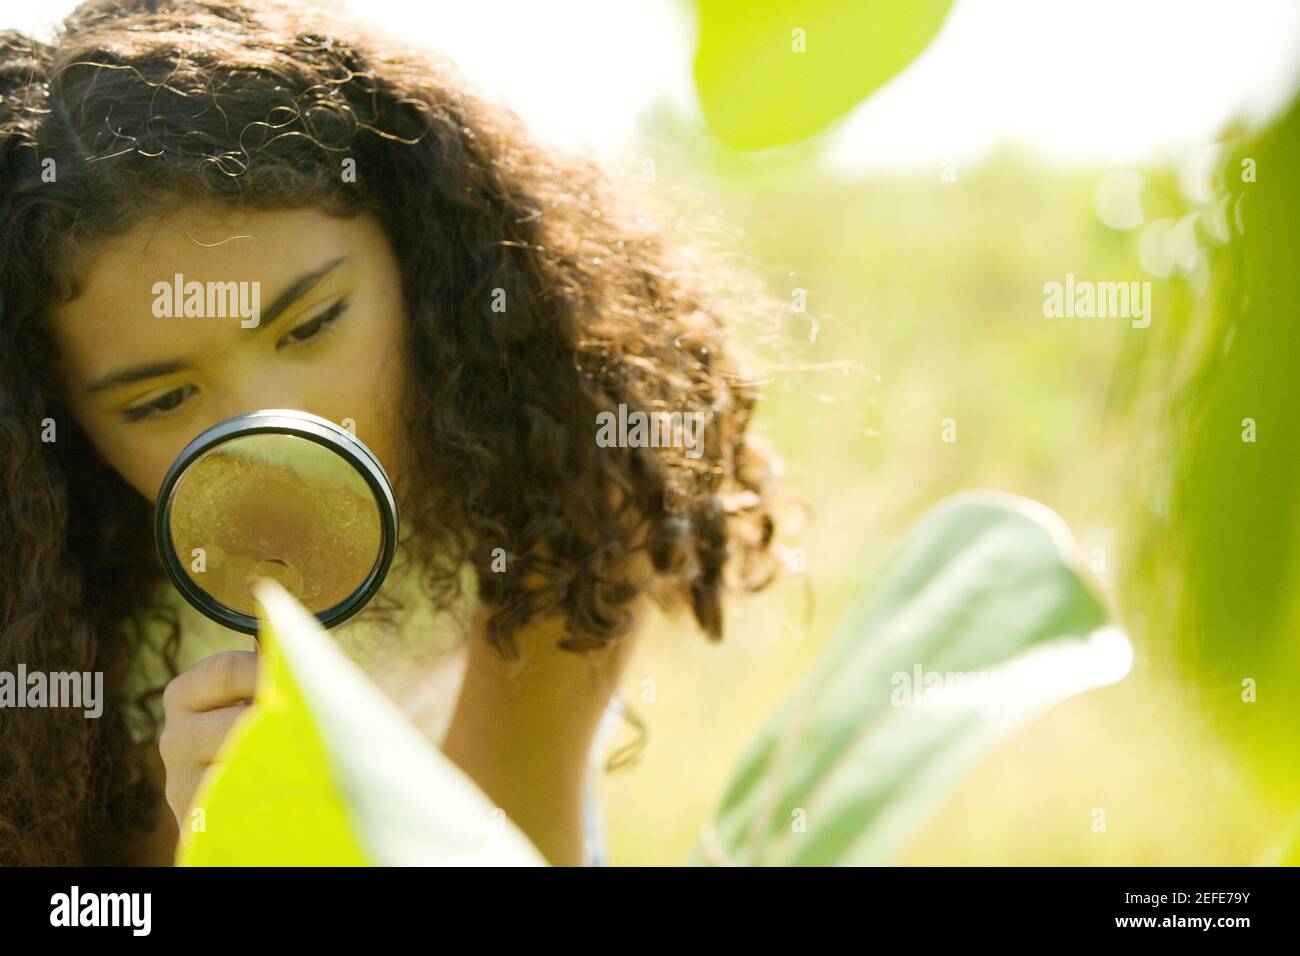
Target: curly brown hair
column 258, row 104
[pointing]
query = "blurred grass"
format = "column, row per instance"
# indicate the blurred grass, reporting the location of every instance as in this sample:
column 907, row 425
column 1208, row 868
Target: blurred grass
column 932, row 290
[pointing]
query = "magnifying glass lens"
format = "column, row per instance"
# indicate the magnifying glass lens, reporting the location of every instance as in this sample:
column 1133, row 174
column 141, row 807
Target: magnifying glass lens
column 284, row 496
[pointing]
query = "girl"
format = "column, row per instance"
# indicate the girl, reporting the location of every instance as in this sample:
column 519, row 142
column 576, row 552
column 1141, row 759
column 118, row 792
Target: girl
column 472, row 302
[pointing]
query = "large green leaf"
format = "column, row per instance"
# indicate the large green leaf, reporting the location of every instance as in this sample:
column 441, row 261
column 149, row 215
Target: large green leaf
column 985, row 595
column 325, row 770
column 772, row 72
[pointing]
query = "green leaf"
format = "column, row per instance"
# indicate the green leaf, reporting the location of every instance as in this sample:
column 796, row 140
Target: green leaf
column 985, row 594
column 763, row 83
column 325, row 770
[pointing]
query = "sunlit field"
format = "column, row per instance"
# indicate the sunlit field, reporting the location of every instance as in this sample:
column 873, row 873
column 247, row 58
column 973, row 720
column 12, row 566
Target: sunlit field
column 925, row 303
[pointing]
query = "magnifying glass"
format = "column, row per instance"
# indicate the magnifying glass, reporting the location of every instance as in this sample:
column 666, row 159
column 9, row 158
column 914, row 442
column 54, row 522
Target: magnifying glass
column 278, row 494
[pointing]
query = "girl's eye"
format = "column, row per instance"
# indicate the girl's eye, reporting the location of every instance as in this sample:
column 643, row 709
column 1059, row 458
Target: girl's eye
column 313, row 328
column 161, row 405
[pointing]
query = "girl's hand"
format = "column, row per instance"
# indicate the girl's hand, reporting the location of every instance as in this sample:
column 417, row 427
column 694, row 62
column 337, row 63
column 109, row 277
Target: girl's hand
column 200, row 706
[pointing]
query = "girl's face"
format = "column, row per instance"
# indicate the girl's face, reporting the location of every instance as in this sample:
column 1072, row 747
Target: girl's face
column 298, row 309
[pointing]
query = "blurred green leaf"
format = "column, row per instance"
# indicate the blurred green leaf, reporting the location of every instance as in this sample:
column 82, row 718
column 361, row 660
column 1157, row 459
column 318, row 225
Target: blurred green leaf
column 1216, row 558
column 773, row 72
column 985, row 589
column 325, row 770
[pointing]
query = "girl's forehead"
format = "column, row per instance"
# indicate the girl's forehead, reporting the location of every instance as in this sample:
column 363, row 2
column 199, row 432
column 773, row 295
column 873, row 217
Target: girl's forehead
column 214, row 238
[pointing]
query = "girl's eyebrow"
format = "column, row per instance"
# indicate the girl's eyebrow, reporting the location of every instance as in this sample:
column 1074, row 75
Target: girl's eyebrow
column 138, row 373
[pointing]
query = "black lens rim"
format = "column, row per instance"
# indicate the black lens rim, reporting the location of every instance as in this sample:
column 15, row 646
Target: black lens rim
column 278, row 421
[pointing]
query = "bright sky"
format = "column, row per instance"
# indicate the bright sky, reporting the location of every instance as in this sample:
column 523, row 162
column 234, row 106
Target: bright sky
column 1111, row 81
